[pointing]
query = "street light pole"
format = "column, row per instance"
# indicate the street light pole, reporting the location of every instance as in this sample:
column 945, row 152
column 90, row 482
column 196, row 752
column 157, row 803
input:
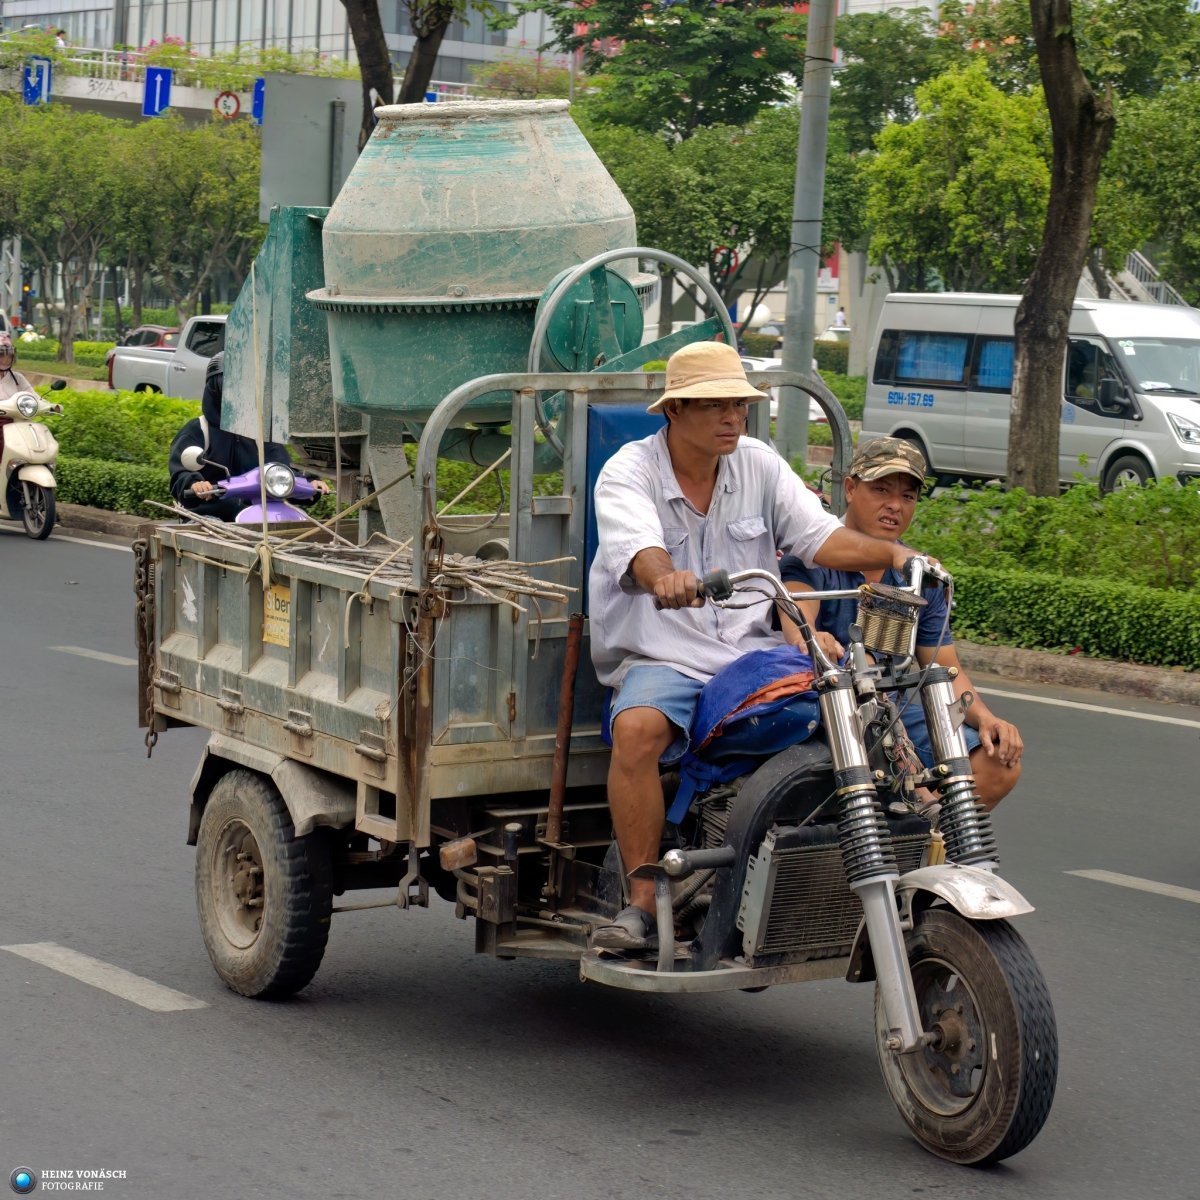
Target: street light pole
column 804, row 264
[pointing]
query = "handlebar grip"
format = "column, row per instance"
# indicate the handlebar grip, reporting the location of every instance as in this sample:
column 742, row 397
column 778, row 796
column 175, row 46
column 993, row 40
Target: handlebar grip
column 716, row 585
column 703, row 590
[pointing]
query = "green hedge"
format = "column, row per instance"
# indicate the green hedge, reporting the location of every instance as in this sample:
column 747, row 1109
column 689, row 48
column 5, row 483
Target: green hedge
column 830, row 356
column 87, row 354
column 1103, row 618
column 115, row 486
column 760, row 345
column 128, row 427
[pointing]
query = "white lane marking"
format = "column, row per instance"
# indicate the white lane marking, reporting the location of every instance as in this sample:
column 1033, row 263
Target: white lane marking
column 1116, row 712
column 105, row 976
column 98, row 655
column 62, row 537
column 1140, row 885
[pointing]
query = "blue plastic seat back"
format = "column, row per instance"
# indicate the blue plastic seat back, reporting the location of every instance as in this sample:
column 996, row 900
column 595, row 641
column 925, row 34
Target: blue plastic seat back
column 610, row 427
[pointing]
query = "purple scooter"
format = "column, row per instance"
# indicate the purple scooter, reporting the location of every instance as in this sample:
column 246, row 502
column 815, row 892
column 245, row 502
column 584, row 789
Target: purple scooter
column 282, row 482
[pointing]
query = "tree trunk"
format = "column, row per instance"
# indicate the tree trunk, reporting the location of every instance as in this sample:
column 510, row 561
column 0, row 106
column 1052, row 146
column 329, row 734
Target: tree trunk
column 135, row 293
column 666, row 304
column 1099, row 274
column 430, row 19
column 374, row 60
column 1082, row 125
column 118, row 326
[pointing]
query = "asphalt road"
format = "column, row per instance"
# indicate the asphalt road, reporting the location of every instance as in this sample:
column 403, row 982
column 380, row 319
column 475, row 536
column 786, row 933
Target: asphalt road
column 411, row 1068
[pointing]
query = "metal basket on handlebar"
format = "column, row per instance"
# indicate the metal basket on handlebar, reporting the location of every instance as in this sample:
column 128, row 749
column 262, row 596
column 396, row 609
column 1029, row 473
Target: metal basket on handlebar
column 887, row 617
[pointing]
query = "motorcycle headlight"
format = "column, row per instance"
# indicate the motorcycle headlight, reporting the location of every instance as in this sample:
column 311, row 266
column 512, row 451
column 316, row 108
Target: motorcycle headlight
column 1188, row 432
column 27, row 406
column 280, row 481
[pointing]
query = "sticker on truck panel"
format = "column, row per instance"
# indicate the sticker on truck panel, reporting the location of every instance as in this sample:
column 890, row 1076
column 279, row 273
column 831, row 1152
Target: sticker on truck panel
column 911, row 399
column 277, row 615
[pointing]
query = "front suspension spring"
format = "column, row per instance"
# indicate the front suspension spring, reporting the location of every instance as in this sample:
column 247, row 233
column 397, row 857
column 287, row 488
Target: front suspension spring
column 966, row 825
column 864, row 837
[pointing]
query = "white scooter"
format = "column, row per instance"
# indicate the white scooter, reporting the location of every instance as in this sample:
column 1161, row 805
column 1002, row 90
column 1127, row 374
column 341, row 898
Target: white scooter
column 28, row 453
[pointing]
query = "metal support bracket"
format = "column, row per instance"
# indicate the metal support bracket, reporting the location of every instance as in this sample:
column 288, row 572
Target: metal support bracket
column 406, row 897
column 958, row 709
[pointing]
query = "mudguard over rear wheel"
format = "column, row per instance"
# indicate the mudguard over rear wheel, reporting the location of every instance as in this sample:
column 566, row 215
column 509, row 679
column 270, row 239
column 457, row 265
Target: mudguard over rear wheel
column 983, row 1091
column 264, row 896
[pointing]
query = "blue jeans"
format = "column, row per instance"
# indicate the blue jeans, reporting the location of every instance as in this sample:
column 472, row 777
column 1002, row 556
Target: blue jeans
column 672, row 693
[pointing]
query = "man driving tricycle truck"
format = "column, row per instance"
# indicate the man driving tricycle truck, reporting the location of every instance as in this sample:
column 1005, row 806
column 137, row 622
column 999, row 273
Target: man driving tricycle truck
column 429, row 719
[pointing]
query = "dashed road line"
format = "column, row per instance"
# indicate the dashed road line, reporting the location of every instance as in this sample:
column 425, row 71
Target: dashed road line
column 106, row 977
column 1116, row 712
column 98, row 655
column 1141, row 885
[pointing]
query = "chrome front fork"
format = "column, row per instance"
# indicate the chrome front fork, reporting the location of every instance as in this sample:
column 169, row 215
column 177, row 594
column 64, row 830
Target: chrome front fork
column 867, row 856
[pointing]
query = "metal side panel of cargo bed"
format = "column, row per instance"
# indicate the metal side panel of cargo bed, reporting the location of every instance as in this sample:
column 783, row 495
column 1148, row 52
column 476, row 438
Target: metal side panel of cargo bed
column 311, row 673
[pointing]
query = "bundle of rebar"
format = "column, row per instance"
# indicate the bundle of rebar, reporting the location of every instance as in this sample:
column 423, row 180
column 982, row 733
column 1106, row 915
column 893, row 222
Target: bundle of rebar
column 389, row 561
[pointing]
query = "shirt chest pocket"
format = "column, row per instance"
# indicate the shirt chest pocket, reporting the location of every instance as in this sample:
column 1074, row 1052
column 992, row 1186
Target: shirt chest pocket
column 746, row 529
column 676, row 542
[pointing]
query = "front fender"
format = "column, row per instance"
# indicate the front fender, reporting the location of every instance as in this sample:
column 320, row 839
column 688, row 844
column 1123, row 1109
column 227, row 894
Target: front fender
column 972, row 892
column 37, row 473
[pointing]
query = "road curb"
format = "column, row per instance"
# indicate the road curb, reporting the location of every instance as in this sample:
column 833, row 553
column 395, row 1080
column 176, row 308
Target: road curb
column 97, row 520
column 1095, row 674
column 40, row 378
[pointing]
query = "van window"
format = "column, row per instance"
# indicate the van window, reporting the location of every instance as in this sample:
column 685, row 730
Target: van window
column 930, row 358
column 1087, row 364
column 993, row 368
column 1160, row 364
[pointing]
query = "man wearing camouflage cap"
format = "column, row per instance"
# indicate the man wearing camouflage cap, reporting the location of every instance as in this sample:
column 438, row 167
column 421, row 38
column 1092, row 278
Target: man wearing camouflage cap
column 882, row 490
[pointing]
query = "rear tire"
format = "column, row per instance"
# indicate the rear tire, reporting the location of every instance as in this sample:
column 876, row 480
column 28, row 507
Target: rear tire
column 915, row 441
column 1130, row 470
column 38, row 515
column 264, row 896
column 985, row 1093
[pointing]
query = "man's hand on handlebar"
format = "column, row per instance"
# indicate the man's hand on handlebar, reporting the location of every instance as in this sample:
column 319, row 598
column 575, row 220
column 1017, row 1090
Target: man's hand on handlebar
column 678, row 589
column 202, row 488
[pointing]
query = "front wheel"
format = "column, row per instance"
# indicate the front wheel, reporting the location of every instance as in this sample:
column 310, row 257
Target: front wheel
column 1127, row 471
column 983, row 1090
column 38, row 515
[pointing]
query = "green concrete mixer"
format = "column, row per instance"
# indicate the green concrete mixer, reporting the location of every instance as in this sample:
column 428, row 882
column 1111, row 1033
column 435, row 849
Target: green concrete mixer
column 432, row 268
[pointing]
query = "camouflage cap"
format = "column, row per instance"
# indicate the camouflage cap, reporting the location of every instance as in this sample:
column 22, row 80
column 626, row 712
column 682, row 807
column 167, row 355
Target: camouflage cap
column 888, row 456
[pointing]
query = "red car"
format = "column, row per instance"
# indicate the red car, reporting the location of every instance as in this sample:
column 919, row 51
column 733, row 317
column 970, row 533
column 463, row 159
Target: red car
column 145, row 335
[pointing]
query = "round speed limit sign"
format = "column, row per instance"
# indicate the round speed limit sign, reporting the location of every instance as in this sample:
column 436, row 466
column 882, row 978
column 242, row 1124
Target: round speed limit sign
column 228, row 105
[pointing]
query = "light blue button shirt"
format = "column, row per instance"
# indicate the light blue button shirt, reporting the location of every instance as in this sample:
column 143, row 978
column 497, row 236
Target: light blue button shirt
column 759, row 509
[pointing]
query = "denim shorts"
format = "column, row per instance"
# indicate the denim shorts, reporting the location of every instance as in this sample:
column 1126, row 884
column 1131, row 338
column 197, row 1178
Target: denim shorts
column 672, row 693
column 918, row 730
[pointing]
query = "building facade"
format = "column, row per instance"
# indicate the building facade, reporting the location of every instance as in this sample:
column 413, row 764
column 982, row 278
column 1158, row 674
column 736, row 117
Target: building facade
column 214, row 26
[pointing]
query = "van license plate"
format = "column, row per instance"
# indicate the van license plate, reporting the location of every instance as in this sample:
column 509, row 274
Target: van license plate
column 277, row 615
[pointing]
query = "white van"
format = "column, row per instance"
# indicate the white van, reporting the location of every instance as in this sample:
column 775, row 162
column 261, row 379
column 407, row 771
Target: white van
column 940, row 375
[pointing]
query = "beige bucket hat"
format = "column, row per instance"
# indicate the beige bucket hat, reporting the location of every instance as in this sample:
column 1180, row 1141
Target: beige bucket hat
column 706, row 371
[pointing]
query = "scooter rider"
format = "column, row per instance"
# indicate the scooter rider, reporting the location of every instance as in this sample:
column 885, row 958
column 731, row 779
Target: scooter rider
column 882, row 490
column 237, row 454
column 11, row 380
column 695, row 496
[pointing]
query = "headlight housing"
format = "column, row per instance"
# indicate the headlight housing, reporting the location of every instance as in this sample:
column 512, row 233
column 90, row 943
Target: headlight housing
column 280, row 481
column 1188, row 432
column 27, row 405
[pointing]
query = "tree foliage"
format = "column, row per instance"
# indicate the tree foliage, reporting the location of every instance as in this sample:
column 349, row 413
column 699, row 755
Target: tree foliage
column 679, row 67
column 962, row 192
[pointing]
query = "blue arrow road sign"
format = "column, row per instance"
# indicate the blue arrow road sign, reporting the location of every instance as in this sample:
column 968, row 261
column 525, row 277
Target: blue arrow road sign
column 156, row 99
column 260, row 91
column 37, row 81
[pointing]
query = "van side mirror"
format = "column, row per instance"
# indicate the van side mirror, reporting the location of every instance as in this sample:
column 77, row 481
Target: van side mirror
column 192, row 458
column 58, row 385
column 1112, row 396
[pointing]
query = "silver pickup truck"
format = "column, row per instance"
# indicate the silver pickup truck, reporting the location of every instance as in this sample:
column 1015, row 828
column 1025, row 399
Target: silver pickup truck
column 173, row 371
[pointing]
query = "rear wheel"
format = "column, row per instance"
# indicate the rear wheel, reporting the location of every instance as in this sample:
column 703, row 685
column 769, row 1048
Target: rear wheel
column 982, row 1092
column 914, row 440
column 38, row 515
column 264, row 896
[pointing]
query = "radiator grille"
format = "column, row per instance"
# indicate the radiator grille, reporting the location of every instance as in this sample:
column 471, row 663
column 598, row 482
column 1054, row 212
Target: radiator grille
column 811, row 906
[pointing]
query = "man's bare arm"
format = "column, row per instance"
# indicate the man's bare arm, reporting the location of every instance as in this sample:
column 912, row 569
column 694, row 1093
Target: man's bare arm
column 654, row 571
column 848, row 550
